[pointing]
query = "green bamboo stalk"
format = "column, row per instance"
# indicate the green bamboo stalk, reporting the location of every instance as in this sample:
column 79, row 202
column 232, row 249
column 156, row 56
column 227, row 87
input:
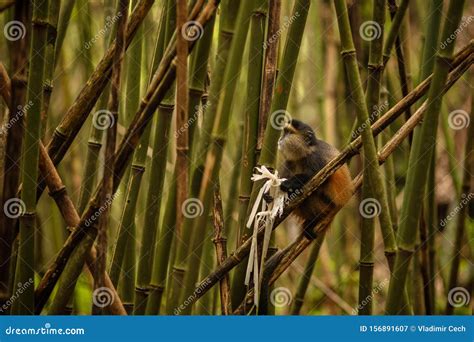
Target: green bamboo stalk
column 214, row 153
column 126, row 230
column 94, row 143
column 155, row 187
column 26, row 259
column 451, row 149
column 182, row 112
column 127, row 223
column 419, row 161
column 13, row 148
column 226, row 33
column 394, row 30
column 161, row 258
column 431, row 32
column 267, row 157
column 52, row 23
column 306, row 276
column 373, row 185
column 463, row 201
column 64, row 18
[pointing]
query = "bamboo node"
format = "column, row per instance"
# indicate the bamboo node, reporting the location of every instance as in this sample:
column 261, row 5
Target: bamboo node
column 348, row 53
column 55, row 194
column 138, row 168
column 218, row 240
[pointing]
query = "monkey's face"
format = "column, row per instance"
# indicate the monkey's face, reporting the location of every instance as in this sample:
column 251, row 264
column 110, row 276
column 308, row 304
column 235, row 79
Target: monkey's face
column 297, row 140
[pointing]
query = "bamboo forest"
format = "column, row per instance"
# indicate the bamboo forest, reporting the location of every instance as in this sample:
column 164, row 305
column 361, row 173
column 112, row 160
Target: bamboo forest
column 236, row 157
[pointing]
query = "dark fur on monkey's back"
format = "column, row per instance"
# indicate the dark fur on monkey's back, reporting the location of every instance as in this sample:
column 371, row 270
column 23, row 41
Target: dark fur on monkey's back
column 302, row 156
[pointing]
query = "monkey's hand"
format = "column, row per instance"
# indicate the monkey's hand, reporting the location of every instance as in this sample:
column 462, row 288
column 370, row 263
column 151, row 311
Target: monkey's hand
column 267, row 197
column 294, row 183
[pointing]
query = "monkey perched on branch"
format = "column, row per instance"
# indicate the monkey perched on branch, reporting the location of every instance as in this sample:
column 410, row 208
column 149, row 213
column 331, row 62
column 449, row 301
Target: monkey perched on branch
column 302, row 156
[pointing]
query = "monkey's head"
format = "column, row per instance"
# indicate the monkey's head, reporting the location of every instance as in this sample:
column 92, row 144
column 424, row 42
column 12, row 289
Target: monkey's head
column 297, row 140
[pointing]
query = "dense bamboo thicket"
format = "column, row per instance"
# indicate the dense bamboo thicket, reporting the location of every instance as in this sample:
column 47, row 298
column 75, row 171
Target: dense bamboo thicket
column 130, row 132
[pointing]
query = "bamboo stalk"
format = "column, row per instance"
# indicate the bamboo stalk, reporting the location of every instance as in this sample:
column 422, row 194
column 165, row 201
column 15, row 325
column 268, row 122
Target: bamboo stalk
column 464, row 197
column 13, row 146
column 182, row 114
column 52, row 23
column 221, row 251
column 431, row 31
column 94, row 143
column 29, row 166
column 351, row 149
column 419, row 161
column 63, row 23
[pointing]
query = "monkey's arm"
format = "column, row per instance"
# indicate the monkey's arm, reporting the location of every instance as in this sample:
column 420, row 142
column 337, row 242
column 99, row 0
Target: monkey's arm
column 295, row 183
